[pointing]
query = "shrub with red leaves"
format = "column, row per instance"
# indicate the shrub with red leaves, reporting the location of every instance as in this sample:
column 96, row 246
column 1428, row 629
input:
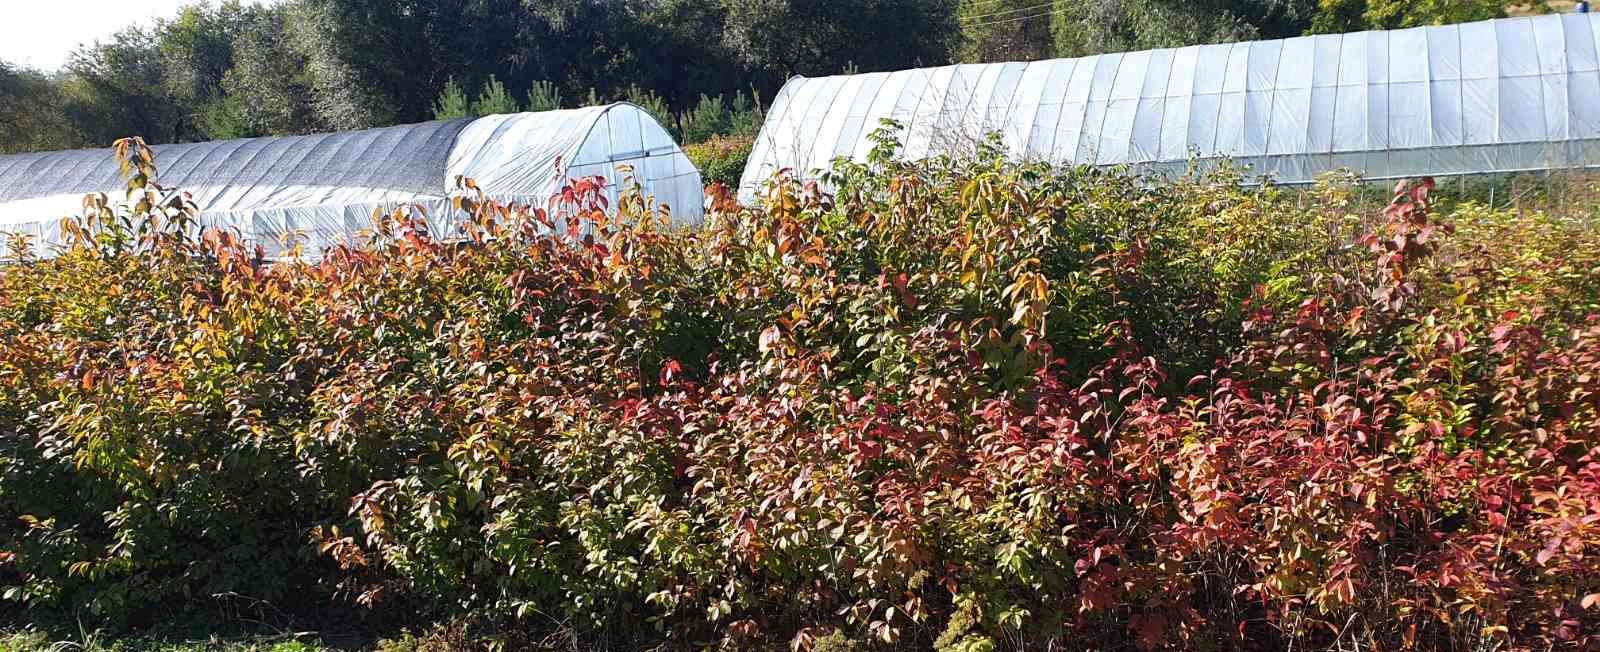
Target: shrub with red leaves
column 967, row 405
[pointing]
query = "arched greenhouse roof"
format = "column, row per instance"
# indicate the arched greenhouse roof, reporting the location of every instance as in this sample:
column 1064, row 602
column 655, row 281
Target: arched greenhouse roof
column 323, row 188
column 1493, row 96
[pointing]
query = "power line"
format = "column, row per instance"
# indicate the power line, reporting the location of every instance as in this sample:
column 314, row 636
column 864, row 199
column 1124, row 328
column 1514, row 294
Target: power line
column 1042, row 5
column 1045, row 14
column 978, row 3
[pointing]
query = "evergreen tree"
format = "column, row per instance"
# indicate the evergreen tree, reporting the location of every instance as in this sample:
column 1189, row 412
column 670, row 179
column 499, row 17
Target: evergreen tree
column 544, row 96
column 494, row 99
column 653, row 104
column 452, row 102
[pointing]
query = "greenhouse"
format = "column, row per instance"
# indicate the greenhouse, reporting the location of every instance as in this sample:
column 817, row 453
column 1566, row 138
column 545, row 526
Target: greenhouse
column 1494, row 96
column 320, row 190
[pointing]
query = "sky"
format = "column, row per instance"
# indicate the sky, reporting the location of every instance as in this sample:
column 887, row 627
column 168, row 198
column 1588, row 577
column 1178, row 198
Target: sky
column 41, row 33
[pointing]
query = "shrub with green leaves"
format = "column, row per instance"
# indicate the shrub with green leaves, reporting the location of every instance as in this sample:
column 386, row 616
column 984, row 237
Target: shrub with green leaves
column 721, row 159
column 956, row 404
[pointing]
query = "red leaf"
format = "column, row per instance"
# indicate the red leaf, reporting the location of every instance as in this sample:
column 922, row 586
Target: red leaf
column 1544, row 556
column 669, row 371
column 768, row 338
column 1152, row 631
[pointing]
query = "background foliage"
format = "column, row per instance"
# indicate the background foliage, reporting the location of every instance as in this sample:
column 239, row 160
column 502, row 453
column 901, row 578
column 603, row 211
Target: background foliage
column 721, row 159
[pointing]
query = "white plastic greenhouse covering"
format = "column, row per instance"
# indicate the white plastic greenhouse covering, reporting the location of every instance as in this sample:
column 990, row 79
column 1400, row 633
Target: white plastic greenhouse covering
column 1493, row 96
column 322, row 189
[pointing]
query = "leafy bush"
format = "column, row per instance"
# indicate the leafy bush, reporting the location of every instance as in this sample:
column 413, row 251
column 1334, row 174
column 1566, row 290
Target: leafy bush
column 158, row 475
column 963, row 404
column 721, row 159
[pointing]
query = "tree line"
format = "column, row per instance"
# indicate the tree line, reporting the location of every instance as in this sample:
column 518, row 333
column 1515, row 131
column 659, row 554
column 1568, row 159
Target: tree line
column 233, row 69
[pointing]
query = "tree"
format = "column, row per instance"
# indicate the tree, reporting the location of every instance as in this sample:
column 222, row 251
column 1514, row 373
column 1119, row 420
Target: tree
column 380, row 62
column 269, row 85
column 494, row 100
column 452, row 102
column 344, row 91
column 709, row 118
column 673, row 47
column 691, row 52
column 781, row 38
column 1084, row 27
column 197, row 50
column 117, row 88
column 1337, row 16
column 30, row 113
column 652, row 104
column 209, row 72
column 1005, row 30
column 544, row 96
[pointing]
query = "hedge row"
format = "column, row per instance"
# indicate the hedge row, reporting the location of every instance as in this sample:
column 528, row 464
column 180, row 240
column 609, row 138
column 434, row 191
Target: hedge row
column 968, row 405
